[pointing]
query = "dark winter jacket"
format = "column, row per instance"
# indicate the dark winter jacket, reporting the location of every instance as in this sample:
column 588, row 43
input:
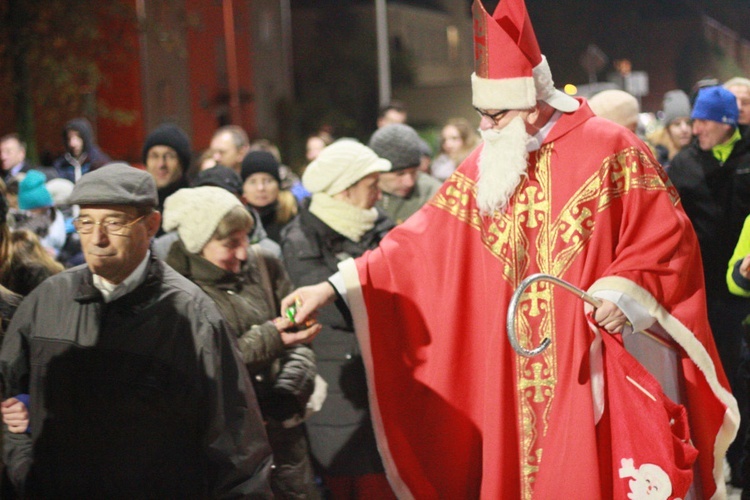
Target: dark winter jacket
column 93, row 157
column 716, row 198
column 244, row 304
column 9, row 302
column 341, row 435
column 22, row 278
column 142, row 397
column 269, row 217
column 284, row 378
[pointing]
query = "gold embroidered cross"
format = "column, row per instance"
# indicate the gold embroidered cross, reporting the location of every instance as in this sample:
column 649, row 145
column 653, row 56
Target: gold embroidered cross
column 532, row 206
column 576, row 224
column 536, row 382
column 538, row 293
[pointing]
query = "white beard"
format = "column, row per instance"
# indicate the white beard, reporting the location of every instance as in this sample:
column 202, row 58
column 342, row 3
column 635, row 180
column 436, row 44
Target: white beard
column 502, row 163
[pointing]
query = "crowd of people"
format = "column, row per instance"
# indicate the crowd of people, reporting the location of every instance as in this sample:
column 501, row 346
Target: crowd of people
column 213, row 325
column 244, row 229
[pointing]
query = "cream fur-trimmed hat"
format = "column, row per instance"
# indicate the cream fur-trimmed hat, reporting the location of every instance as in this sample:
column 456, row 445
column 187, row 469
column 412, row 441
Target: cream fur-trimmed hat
column 341, row 165
column 510, row 70
column 196, row 213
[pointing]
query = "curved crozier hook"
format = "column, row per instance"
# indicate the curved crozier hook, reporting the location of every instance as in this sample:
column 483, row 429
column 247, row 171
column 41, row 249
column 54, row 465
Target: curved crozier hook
column 511, row 318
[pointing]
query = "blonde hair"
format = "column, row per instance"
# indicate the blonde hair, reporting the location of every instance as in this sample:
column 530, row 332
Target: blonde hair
column 27, row 249
column 237, row 219
column 6, row 248
column 287, row 207
column 662, row 137
column 468, row 135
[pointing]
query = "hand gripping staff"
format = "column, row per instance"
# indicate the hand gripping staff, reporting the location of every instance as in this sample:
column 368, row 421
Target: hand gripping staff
column 510, row 322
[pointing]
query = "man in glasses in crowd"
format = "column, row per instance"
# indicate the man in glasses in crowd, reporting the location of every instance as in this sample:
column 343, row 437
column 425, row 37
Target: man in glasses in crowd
column 135, row 387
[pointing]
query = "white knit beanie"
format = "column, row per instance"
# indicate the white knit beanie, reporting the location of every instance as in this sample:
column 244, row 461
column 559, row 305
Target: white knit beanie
column 616, row 106
column 340, row 166
column 196, row 213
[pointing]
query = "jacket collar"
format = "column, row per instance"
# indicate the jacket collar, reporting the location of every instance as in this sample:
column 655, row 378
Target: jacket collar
column 203, row 272
column 86, row 291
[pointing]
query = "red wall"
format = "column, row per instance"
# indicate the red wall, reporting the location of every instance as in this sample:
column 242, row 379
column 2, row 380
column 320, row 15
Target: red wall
column 121, row 133
column 120, row 125
column 208, row 67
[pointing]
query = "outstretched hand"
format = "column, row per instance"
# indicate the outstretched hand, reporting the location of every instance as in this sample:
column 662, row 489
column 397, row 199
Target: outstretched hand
column 610, row 317
column 307, row 300
column 292, row 335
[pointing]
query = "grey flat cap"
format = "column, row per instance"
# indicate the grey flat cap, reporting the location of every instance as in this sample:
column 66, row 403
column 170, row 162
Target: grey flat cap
column 115, row 184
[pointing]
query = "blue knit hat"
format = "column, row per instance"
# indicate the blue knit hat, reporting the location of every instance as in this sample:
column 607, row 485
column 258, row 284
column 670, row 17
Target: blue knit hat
column 32, row 192
column 716, row 104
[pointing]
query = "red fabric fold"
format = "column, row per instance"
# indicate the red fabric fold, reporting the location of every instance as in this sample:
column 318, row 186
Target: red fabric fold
column 644, row 437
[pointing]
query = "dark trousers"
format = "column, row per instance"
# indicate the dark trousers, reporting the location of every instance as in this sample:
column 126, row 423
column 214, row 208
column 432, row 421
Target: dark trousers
column 726, row 314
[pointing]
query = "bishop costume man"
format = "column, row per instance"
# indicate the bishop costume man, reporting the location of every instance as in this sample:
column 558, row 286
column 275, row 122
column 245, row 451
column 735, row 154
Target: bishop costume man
column 556, row 190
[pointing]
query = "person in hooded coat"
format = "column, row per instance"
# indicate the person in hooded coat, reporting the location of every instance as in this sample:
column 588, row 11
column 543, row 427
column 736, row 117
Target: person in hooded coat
column 82, row 154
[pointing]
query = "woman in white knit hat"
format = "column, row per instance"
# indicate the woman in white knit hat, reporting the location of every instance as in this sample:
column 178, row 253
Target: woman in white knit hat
column 247, row 286
column 339, row 221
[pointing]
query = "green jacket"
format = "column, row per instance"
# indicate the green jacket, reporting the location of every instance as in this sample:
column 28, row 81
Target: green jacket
column 738, row 284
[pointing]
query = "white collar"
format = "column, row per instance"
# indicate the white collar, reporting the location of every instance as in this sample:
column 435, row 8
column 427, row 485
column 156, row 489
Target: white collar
column 110, row 291
column 537, row 139
column 15, row 169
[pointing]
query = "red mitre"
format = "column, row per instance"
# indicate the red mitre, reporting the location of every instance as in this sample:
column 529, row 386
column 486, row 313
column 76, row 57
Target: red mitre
column 503, row 77
column 510, row 70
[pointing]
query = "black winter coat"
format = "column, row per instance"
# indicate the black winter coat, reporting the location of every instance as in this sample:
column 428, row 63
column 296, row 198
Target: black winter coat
column 284, row 378
column 716, row 198
column 341, row 434
column 141, row 397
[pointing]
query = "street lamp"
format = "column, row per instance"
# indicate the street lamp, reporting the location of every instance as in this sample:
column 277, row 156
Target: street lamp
column 384, row 68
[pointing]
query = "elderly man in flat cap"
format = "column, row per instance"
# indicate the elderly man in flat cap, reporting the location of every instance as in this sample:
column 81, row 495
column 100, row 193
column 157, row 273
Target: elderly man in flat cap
column 136, row 390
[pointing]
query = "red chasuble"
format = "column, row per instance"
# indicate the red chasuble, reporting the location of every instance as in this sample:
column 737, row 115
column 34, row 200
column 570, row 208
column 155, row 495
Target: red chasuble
column 457, row 413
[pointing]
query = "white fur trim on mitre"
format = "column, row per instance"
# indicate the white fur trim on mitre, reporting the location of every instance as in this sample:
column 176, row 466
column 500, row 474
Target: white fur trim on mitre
column 545, row 86
column 546, row 91
column 505, row 93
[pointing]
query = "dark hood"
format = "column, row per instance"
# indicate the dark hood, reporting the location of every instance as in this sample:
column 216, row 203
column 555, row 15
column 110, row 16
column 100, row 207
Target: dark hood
column 83, row 127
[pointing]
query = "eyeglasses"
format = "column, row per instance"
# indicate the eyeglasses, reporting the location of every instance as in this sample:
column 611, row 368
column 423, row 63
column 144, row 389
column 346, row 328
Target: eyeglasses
column 493, row 116
column 86, row 226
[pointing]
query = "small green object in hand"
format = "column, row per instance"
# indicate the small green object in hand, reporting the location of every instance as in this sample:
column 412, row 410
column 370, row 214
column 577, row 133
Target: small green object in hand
column 291, row 312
